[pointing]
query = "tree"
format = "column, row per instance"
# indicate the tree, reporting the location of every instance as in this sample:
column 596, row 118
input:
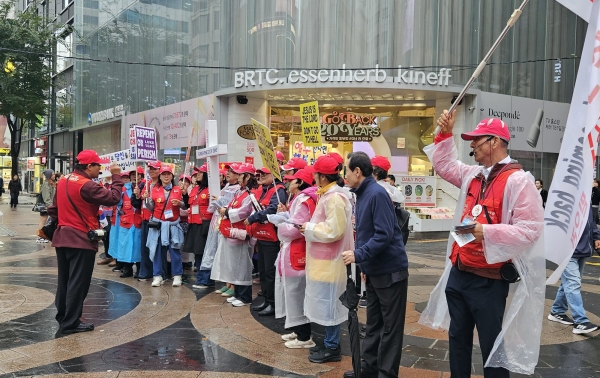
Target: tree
column 27, row 41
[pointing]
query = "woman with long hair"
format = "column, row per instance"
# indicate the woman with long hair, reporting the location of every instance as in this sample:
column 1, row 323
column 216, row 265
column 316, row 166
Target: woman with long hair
column 165, row 233
column 233, row 262
column 328, row 234
column 290, row 276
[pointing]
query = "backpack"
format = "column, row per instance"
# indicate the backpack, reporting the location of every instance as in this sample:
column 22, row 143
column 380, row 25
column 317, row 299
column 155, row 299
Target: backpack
column 403, row 216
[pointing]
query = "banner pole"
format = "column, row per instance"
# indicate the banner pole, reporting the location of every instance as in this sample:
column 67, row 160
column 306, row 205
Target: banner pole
column 509, row 24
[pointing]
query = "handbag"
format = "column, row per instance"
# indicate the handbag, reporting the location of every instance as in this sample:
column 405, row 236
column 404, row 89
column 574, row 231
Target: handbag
column 158, row 224
column 40, row 205
column 47, row 232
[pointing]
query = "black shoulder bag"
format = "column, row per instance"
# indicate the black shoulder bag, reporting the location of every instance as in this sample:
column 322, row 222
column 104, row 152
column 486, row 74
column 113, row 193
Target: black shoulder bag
column 158, row 224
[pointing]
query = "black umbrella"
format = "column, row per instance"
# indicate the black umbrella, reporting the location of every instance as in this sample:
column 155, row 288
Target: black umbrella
column 350, row 300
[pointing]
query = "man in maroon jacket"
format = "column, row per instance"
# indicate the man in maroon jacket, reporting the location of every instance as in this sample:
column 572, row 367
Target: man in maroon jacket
column 76, row 206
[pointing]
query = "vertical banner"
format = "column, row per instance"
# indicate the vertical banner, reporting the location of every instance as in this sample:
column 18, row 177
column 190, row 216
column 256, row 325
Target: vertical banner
column 266, row 148
column 145, row 144
column 311, row 124
column 569, row 196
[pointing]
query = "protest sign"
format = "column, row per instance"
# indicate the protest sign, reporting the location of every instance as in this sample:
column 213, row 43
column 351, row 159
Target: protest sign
column 568, row 203
column 266, row 148
column 144, row 144
column 311, row 124
column 123, row 160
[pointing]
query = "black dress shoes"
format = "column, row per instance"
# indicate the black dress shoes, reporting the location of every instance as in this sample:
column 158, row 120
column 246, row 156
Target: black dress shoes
column 260, row 307
column 363, row 374
column 127, row 273
column 268, row 311
column 82, row 327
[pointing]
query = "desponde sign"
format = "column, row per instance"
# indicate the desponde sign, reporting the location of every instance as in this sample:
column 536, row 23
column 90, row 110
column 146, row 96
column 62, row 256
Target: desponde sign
column 349, row 127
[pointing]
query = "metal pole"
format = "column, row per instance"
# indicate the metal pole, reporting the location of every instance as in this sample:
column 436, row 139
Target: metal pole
column 509, row 24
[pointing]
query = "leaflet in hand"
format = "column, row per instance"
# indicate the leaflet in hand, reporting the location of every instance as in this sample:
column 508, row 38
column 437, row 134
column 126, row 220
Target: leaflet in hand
column 462, row 239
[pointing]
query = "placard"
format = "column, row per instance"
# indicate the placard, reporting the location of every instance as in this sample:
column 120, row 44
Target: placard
column 266, row 148
column 418, row 190
column 311, row 124
column 144, row 147
column 123, row 160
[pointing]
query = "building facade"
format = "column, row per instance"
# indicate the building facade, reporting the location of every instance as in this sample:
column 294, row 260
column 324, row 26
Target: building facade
column 389, row 65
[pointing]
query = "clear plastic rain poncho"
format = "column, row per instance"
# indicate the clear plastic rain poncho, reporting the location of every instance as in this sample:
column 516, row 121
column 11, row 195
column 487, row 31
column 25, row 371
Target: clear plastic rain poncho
column 518, row 238
column 233, row 260
column 328, row 234
column 290, row 284
column 395, row 194
column 212, row 239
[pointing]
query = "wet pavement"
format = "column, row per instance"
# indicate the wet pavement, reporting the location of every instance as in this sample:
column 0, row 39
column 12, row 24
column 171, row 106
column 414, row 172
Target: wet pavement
column 184, row 332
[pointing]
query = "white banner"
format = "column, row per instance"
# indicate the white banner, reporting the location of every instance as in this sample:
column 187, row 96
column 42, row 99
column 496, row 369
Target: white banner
column 582, row 8
column 568, row 202
column 418, row 190
column 123, row 160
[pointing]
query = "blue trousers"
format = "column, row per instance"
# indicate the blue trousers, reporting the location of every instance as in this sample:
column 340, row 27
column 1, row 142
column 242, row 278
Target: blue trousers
column 569, row 292
column 161, row 253
column 332, row 336
column 203, row 278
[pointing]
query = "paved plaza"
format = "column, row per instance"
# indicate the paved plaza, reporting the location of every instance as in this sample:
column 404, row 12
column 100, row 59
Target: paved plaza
column 183, row 332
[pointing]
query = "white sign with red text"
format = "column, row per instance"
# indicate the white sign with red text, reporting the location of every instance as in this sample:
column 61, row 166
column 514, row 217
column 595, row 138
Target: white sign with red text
column 418, row 190
column 568, row 204
column 123, row 160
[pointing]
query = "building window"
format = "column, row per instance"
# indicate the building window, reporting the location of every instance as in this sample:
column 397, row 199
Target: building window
column 64, row 53
column 203, row 84
column 66, row 3
column 203, row 54
column 216, row 81
column 200, row 24
column 216, row 20
column 90, row 20
column 216, row 50
column 91, row 4
column 201, row 5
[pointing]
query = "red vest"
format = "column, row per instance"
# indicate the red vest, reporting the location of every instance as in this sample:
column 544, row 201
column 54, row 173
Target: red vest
column 235, row 203
column 472, row 255
column 131, row 215
column 298, row 246
column 159, row 197
column 145, row 212
column 199, row 201
column 265, row 231
column 67, row 216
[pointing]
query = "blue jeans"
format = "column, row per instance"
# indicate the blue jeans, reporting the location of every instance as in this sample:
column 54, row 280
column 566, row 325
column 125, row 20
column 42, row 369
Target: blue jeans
column 332, row 336
column 176, row 267
column 569, row 292
column 203, row 278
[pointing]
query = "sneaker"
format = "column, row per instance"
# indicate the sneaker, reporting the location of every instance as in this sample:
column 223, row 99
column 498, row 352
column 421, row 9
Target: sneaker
column 238, row 303
column 176, row 281
column 231, row 299
column 39, row 240
column 289, row 336
column 297, row 344
column 563, row 319
column 316, row 349
column 228, row 293
column 326, row 355
column 582, row 328
column 221, row 290
column 157, row 281
column 362, row 303
column 45, row 241
column 141, row 279
column 200, row 286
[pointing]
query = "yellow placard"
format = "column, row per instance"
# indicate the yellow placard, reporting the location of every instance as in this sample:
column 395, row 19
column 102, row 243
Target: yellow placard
column 311, row 124
column 266, row 148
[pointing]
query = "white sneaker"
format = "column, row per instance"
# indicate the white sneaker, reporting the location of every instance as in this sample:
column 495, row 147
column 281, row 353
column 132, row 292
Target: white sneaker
column 289, row 336
column 297, row 344
column 231, row 299
column 238, row 303
column 157, row 281
column 200, row 286
column 177, row 281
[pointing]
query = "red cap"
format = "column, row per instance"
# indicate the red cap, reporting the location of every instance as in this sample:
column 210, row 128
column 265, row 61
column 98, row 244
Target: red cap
column 90, row 157
column 305, row 175
column 294, row 163
column 185, row 177
column 166, row 168
column 489, row 126
column 243, row 168
column 223, row 172
column 337, row 157
column 155, row 164
column 125, row 173
column 139, row 170
column 327, row 165
column 203, row 168
column 381, row 162
column 279, row 155
column 264, row 170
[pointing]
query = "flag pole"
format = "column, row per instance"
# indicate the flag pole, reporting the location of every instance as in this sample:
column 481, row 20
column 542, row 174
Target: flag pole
column 509, row 24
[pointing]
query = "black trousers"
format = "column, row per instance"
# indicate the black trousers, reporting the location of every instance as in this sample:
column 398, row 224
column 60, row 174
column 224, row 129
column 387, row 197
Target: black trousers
column 267, row 255
column 106, row 239
column 243, row 293
column 303, row 331
column 474, row 301
column 75, row 267
column 386, row 311
column 146, row 267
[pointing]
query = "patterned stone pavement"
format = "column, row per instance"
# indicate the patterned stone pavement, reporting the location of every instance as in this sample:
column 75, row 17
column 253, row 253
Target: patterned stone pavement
column 154, row 332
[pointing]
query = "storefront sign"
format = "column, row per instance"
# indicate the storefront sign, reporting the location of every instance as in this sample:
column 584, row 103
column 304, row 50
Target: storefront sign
column 418, row 190
column 105, row 115
column 250, row 146
column 249, row 160
column 121, row 158
column 266, row 148
column 144, row 144
column 311, row 125
column 401, row 143
column 4, row 151
column 254, row 78
column 349, row 127
column 30, row 164
column 246, row 132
